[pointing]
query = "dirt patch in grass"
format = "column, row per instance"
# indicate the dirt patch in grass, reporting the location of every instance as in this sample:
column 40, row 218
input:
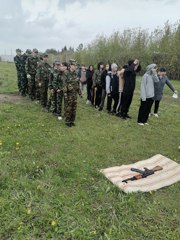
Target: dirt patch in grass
column 13, row 97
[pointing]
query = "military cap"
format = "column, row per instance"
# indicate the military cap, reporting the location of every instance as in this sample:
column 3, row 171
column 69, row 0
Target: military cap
column 35, row 50
column 28, row 51
column 44, row 55
column 18, row 50
column 72, row 62
column 57, row 62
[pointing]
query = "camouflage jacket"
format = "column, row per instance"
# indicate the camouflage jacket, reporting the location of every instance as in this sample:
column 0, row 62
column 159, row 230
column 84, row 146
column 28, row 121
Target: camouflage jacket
column 20, row 63
column 51, row 77
column 97, row 78
column 31, row 64
column 70, row 82
column 43, row 72
column 58, row 79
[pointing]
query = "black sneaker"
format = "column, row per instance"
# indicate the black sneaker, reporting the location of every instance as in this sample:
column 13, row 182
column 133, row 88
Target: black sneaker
column 100, row 108
column 127, row 116
column 73, row 124
column 68, row 124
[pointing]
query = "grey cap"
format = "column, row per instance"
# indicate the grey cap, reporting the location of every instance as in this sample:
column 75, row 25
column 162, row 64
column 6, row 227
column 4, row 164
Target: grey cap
column 114, row 65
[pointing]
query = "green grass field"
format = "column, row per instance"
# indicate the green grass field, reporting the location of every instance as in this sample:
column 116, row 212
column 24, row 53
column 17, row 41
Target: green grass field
column 50, row 185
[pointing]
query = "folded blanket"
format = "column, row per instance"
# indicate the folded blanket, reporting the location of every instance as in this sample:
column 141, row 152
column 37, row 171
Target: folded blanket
column 167, row 176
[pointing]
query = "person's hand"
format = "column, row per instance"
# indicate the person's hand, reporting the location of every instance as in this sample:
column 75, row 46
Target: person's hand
column 58, row 90
column 136, row 62
column 52, row 91
column 39, row 84
column 154, row 70
column 28, row 76
column 109, row 94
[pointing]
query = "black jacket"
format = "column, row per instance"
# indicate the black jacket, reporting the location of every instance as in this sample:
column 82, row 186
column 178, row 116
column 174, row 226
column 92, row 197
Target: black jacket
column 130, row 78
column 89, row 76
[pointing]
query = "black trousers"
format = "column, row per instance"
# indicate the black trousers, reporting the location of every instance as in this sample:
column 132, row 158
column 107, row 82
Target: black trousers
column 156, row 105
column 126, row 102
column 98, row 95
column 144, row 110
column 115, row 97
column 89, row 91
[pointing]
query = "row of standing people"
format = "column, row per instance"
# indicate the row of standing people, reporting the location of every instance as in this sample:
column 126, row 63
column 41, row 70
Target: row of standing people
column 37, row 77
column 119, row 85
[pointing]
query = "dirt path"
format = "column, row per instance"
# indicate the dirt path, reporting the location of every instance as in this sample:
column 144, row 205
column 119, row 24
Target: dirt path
column 11, row 97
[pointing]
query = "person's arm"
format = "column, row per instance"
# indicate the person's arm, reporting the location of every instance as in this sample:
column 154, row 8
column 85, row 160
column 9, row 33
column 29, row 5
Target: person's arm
column 155, row 77
column 108, row 84
column 170, row 85
column 143, row 88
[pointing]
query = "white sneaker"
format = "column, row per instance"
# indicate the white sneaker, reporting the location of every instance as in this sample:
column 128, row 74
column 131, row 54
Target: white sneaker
column 87, row 102
column 141, row 124
column 149, row 114
column 59, row 118
column 146, row 123
column 156, row 115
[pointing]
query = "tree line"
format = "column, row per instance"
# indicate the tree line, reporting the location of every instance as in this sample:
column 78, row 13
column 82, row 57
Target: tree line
column 161, row 46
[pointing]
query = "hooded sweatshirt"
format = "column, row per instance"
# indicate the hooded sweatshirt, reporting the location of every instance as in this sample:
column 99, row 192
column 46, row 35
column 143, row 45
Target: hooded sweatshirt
column 147, row 83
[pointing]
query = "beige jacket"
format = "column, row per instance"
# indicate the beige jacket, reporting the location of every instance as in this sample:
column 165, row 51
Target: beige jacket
column 121, row 80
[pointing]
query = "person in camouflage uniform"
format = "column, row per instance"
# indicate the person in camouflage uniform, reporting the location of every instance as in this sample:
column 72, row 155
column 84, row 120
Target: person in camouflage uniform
column 25, row 80
column 53, row 88
column 31, row 67
column 42, row 80
column 97, row 85
column 71, row 89
column 21, row 74
column 50, row 87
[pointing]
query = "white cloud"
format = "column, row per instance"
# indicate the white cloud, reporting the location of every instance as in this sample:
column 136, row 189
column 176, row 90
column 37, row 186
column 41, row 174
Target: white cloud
column 55, row 23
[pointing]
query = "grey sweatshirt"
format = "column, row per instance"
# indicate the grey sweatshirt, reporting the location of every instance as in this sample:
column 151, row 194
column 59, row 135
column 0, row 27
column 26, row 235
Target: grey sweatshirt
column 147, row 83
column 158, row 87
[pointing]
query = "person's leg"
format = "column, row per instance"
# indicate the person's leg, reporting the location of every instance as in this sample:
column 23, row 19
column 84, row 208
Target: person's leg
column 103, row 99
column 68, row 109
column 129, row 101
column 109, row 103
column 156, row 106
column 148, row 108
column 74, row 107
column 59, row 102
column 116, row 99
column 142, row 112
column 124, row 106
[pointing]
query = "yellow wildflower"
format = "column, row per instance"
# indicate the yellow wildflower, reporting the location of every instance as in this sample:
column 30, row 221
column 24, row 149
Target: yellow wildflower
column 53, row 223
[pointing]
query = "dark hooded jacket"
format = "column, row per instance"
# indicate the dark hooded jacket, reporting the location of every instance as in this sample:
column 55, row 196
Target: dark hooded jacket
column 130, row 77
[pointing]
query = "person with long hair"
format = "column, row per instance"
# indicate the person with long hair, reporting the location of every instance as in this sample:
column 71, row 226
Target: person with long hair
column 89, row 79
column 97, row 84
column 103, row 84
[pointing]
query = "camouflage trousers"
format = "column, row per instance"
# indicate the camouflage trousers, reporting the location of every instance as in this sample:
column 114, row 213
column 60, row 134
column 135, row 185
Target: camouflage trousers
column 43, row 94
column 59, row 102
column 22, row 82
column 70, row 106
column 56, row 102
column 32, row 87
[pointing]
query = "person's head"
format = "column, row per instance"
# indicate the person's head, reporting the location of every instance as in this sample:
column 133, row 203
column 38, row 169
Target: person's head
column 91, row 67
column 57, row 64
column 64, row 66
column 45, row 57
column 100, row 66
column 72, row 66
column 152, row 68
column 108, row 67
column 18, row 52
column 130, row 62
column 83, row 67
column 114, row 67
column 28, row 52
column 34, row 52
column 162, row 72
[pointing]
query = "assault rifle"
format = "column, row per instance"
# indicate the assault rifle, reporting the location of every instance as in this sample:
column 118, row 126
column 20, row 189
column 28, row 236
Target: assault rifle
column 143, row 174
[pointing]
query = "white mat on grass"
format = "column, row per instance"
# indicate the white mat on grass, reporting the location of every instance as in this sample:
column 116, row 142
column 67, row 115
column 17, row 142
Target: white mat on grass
column 169, row 175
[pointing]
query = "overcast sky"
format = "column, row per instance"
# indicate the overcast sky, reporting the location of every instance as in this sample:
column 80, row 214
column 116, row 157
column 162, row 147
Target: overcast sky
column 46, row 24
